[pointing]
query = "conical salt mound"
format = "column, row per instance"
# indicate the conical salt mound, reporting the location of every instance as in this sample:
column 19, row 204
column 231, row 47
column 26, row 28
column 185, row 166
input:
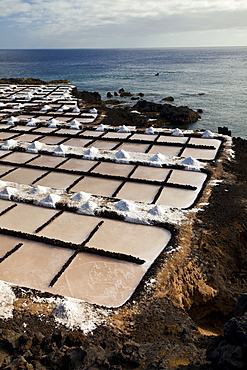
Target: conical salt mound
column 92, row 151
column 37, row 190
column 80, row 197
column 8, row 191
column 35, row 146
column 9, row 144
column 123, row 129
column 125, row 205
column 190, row 161
column 158, row 157
column 177, row 132
column 208, row 134
column 157, row 210
column 122, row 154
column 150, row 131
column 89, row 206
column 51, row 199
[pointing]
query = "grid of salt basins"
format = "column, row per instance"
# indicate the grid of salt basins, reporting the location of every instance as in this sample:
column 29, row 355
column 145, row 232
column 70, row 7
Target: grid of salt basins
column 57, row 177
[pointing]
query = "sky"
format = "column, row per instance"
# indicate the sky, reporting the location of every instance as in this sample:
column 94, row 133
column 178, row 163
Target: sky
column 39, row 24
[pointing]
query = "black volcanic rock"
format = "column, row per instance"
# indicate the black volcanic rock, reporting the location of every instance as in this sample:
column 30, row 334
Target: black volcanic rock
column 87, row 97
column 170, row 114
column 230, row 351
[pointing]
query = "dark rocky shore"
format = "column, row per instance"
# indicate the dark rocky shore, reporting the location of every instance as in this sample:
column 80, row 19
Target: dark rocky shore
column 195, row 317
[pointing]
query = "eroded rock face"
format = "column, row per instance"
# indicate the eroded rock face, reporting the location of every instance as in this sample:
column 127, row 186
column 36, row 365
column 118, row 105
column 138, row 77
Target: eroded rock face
column 230, row 350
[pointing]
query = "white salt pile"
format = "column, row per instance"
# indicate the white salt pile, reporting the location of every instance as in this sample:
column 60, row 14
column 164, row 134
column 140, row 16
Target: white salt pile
column 123, row 129
column 76, row 110
column 50, row 200
column 91, row 152
column 61, row 149
column 2, row 184
column 125, row 205
column 77, row 314
column 12, row 120
column 157, row 211
column 75, row 124
column 18, row 106
column 208, row 134
column 9, row 144
column 177, row 132
column 37, row 190
column 89, row 207
column 34, row 147
column 191, row 163
column 122, row 154
column 150, row 131
column 101, row 127
column 80, row 197
column 32, row 122
column 135, row 112
column 8, row 192
column 53, row 122
column 45, row 108
column 93, row 111
column 158, row 157
column 7, row 299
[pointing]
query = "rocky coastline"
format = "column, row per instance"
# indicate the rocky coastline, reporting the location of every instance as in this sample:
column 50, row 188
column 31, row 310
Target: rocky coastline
column 194, row 317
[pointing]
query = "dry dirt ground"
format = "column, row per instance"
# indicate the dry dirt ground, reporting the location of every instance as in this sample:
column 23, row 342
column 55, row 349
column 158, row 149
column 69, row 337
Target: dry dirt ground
column 167, row 325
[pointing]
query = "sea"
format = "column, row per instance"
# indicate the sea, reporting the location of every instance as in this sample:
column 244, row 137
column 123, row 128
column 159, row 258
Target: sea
column 212, row 79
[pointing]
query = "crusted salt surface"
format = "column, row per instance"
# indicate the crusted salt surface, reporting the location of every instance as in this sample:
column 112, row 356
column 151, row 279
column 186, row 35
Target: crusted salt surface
column 125, row 205
column 50, row 200
column 73, row 313
column 177, row 132
column 122, row 154
column 7, row 299
column 208, row 134
column 80, row 197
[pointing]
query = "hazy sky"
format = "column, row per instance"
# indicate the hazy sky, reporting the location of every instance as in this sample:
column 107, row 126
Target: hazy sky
column 122, row 23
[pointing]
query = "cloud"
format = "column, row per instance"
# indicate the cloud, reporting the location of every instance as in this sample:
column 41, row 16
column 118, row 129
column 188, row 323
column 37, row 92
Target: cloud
column 53, row 19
